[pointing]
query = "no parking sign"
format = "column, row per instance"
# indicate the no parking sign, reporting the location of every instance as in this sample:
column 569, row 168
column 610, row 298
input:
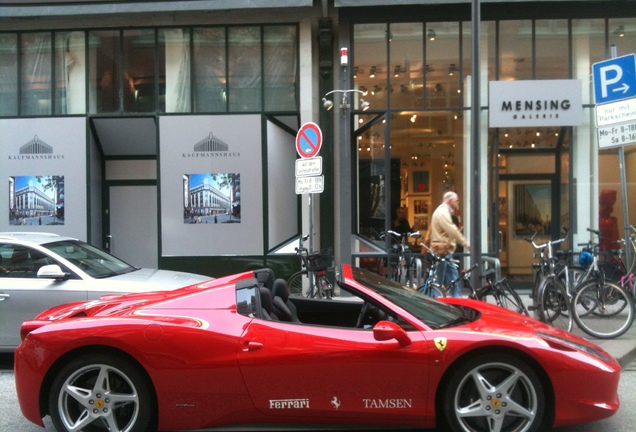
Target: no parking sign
column 308, row 140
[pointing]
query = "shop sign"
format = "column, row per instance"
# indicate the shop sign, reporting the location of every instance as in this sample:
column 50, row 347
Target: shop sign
column 535, row 103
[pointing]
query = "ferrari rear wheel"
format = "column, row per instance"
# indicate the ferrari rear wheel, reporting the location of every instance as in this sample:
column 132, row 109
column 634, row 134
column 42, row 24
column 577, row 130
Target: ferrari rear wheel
column 494, row 392
column 100, row 392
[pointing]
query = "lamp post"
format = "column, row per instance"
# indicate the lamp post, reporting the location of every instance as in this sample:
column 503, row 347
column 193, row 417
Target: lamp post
column 344, row 221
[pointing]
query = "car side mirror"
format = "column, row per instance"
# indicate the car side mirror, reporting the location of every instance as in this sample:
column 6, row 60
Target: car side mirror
column 52, row 271
column 387, row 330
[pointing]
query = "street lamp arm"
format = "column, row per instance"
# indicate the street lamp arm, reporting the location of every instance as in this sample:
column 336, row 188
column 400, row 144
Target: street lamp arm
column 343, row 91
column 327, row 104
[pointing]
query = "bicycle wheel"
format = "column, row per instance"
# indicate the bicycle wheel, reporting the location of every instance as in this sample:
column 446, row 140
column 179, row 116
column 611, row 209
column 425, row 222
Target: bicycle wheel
column 612, row 309
column 553, row 304
column 432, row 290
column 299, row 284
column 508, row 298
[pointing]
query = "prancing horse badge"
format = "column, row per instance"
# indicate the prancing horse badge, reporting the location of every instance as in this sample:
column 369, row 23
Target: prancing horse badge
column 440, row 343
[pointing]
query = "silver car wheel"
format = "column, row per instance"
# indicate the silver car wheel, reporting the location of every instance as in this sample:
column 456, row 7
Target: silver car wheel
column 98, row 397
column 496, row 396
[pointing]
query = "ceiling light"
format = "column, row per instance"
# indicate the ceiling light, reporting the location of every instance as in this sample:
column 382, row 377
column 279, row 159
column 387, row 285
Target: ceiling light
column 431, row 35
column 372, row 72
column 364, row 105
column 620, row 31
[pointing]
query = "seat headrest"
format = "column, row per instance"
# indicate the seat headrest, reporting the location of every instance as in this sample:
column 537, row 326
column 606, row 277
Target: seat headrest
column 280, row 289
column 265, row 277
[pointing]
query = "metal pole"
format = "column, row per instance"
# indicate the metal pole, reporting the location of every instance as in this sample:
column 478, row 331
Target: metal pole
column 475, row 109
column 623, row 169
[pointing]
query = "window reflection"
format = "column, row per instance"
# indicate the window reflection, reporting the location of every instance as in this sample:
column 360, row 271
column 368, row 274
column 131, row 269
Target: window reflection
column 70, row 72
column 245, row 79
column 36, row 74
column 8, row 74
column 209, row 64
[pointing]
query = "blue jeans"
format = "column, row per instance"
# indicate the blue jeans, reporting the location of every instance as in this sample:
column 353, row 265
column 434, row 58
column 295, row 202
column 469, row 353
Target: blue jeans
column 451, row 272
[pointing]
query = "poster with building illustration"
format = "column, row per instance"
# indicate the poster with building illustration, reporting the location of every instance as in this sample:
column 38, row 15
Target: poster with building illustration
column 36, row 200
column 212, row 198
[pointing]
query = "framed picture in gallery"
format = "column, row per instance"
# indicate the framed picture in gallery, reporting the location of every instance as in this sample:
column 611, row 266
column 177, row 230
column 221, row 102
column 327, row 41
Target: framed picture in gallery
column 421, row 206
column 421, row 182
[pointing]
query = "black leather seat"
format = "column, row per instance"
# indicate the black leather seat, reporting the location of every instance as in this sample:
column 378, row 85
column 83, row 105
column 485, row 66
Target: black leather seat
column 266, row 305
column 284, row 309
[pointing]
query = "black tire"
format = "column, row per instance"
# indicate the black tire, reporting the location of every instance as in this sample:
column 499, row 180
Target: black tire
column 612, row 309
column 481, row 396
column 508, row 298
column 96, row 391
column 553, row 305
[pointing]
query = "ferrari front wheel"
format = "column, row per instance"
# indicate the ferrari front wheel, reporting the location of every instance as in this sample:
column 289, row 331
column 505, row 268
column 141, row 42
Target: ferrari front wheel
column 494, row 392
column 102, row 393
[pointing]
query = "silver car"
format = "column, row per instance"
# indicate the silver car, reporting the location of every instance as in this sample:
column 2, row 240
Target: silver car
column 40, row 270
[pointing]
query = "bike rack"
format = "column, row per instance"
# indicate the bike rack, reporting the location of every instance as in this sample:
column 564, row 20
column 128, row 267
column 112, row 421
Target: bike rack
column 496, row 265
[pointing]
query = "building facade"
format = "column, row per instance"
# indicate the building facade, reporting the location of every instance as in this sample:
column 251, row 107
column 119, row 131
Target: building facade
column 126, row 92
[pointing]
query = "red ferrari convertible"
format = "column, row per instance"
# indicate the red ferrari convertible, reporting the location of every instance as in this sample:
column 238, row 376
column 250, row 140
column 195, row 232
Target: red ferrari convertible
column 240, row 351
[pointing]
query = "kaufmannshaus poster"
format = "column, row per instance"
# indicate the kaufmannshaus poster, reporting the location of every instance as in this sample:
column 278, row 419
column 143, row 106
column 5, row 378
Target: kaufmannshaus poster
column 211, row 185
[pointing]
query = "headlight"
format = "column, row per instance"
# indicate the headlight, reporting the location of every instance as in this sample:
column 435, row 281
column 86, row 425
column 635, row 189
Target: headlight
column 594, row 352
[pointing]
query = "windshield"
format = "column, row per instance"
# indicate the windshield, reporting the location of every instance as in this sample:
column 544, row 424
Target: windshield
column 95, row 262
column 433, row 313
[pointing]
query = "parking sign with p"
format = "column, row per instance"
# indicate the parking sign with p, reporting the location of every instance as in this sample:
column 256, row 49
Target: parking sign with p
column 614, row 79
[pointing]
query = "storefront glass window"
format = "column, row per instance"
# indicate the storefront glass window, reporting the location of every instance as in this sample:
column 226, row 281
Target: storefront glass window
column 552, row 59
column 35, row 62
column 442, row 60
column 245, row 78
column 280, row 72
column 515, row 55
column 174, row 70
column 370, row 63
column 139, row 71
column 104, row 71
column 406, row 76
column 70, row 73
column 588, row 47
column 209, row 65
column 373, row 181
column 8, row 74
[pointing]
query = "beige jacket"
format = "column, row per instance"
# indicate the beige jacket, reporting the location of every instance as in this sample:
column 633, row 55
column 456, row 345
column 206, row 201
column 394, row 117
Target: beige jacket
column 444, row 230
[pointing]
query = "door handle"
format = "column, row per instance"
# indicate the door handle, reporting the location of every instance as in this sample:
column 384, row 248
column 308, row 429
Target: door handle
column 109, row 243
column 252, row 346
column 4, row 296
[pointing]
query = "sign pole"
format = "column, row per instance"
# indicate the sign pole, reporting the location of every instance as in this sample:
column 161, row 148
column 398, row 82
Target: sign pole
column 623, row 169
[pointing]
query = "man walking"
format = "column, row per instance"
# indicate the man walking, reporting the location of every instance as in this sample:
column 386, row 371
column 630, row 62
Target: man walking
column 445, row 236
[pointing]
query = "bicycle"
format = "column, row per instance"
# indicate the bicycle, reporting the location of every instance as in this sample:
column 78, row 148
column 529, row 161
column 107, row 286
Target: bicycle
column 433, row 282
column 408, row 269
column 494, row 291
column 602, row 309
column 550, row 297
column 312, row 279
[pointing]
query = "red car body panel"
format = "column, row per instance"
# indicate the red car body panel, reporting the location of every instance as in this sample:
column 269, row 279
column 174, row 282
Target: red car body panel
column 210, row 365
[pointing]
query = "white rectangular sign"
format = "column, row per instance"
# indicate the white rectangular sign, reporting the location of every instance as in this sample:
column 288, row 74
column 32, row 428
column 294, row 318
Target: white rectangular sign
column 535, row 103
column 309, row 167
column 315, row 184
column 616, row 112
column 617, row 135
